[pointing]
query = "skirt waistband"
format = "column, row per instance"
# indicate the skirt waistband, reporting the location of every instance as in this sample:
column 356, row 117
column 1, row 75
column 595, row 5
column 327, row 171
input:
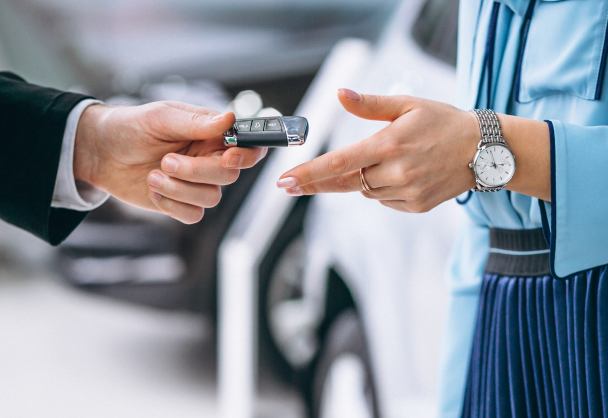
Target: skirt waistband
column 522, row 252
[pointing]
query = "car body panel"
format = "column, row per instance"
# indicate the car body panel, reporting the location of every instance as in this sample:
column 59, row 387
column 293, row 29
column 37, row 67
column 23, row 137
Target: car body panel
column 391, row 262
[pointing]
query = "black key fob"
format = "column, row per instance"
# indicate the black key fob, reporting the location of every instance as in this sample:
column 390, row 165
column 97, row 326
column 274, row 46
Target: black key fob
column 283, row 131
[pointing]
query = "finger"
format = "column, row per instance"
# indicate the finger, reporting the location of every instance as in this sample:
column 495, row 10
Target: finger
column 243, row 157
column 187, row 107
column 183, row 212
column 335, row 163
column 207, row 170
column 350, row 182
column 187, row 125
column 202, row 195
column 368, row 106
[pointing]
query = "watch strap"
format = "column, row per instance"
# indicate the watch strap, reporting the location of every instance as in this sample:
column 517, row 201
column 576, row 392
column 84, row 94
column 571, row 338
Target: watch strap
column 490, row 133
column 489, row 126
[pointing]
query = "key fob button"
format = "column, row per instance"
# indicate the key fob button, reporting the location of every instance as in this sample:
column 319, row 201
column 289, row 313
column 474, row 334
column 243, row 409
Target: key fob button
column 257, row 125
column 243, row 125
column 273, row 125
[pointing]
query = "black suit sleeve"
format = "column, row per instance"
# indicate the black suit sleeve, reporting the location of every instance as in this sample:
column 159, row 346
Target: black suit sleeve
column 32, row 123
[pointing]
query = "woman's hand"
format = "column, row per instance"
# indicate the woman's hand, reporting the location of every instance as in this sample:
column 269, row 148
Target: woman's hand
column 414, row 164
column 421, row 159
column 165, row 157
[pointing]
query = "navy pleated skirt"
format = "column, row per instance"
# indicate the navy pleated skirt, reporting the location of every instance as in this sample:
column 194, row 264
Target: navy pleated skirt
column 540, row 347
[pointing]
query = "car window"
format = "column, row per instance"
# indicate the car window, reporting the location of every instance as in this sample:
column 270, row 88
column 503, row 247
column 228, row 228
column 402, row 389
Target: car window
column 436, row 29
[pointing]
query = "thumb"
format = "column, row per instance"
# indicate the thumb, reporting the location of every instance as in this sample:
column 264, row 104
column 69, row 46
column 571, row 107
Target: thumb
column 369, row 106
column 186, row 122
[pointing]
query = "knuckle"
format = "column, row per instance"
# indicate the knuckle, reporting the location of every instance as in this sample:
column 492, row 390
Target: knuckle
column 400, row 174
column 415, row 193
column 183, row 167
column 338, row 164
column 342, row 185
column 194, row 118
column 417, row 207
column 309, row 189
column 369, row 195
column 391, row 146
column 171, row 188
column 373, row 101
column 418, row 203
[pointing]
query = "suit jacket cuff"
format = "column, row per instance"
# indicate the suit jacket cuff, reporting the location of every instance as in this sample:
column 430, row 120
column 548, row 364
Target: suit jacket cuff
column 31, row 131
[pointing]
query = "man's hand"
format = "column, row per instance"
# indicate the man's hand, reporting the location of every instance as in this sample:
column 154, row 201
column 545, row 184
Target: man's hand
column 165, row 157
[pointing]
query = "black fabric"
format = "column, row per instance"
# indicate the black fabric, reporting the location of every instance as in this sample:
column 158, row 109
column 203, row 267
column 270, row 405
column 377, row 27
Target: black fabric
column 540, row 347
column 32, row 123
column 518, row 241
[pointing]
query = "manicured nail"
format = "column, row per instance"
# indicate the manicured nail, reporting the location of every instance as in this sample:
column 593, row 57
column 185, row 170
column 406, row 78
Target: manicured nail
column 351, row 94
column 296, row 191
column 155, row 196
column 234, row 161
column 218, row 117
column 169, row 165
column 287, row 183
column 155, row 180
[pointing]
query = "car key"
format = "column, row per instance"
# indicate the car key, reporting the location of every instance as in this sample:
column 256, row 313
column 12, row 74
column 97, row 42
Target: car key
column 277, row 131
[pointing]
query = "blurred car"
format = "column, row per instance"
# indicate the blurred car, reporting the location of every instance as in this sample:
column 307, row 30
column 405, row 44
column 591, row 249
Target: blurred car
column 114, row 47
column 349, row 294
column 200, row 52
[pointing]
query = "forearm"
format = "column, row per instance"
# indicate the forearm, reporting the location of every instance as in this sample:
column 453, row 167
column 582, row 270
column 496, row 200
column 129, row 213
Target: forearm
column 529, row 141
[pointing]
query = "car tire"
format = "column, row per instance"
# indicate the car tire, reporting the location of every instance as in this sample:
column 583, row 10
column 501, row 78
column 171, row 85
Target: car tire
column 343, row 384
column 280, row 281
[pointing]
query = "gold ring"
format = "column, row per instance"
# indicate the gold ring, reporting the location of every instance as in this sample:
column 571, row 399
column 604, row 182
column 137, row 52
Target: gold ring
column 364, row 184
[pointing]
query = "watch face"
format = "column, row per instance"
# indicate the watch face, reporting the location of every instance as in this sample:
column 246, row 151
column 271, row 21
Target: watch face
column 495, row 165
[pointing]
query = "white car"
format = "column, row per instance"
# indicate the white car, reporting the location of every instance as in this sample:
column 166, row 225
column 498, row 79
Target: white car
column 349, row 294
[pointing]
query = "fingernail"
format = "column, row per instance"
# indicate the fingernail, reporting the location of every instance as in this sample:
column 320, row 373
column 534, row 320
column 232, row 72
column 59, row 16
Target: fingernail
column 287, row 183
column 234, row 161
column 155, row 180
column 351, row 94
column 155, row 196
column 296, row 191
column 169, row 165
column 218, row 117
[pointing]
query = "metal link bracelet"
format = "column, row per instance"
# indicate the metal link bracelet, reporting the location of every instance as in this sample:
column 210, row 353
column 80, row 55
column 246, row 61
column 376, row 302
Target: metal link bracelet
column 488, row 125
column 490, row 133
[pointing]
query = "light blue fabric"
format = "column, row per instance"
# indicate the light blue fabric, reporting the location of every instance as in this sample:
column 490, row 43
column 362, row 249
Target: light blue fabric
column 559, row 81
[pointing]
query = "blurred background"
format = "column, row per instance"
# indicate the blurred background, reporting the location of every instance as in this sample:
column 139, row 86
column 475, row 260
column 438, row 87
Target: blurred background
column 122, row 319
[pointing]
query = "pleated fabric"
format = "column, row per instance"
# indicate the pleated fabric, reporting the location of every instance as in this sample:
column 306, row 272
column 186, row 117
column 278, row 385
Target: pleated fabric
column 540, row 348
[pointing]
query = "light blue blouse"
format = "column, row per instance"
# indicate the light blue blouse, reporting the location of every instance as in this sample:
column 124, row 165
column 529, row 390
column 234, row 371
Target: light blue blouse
column 555, row 73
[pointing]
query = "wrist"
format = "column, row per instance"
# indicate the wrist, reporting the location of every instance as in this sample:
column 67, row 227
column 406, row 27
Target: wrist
column 472, row 137
column 87, row 146
column 529, row 140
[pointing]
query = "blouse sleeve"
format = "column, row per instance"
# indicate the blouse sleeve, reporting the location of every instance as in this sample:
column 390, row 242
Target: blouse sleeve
column 577, row 224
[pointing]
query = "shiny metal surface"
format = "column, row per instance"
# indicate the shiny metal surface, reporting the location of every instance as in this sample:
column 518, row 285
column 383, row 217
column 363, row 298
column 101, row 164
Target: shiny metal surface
column 296, row 128
column 230, row 141
column 491, row 135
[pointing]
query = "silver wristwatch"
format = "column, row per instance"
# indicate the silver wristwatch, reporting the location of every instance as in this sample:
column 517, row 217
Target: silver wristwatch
column 494, row 163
